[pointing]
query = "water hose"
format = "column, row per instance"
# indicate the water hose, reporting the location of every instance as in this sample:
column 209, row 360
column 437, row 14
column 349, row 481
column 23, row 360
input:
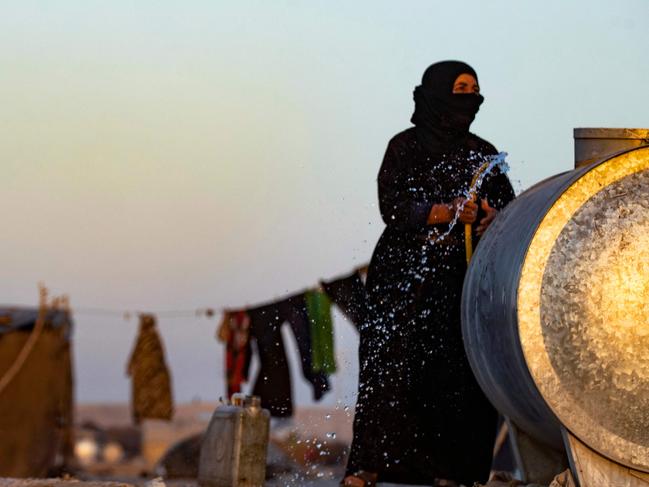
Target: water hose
column 468, row 235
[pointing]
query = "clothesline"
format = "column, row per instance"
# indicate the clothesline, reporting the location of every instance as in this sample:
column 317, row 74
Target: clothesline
column 167, row 313
column 257, row 330
column 196, row 313
column 127, row 314
column 252, row 329
column 361, row 270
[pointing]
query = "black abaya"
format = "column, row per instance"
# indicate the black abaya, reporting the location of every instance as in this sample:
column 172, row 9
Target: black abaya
column 420, row 413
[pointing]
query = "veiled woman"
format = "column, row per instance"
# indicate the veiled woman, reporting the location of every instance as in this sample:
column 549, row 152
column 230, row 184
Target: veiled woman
column 421, row 417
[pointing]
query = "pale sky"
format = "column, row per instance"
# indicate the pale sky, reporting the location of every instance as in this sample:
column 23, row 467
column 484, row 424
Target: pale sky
column 175, row 155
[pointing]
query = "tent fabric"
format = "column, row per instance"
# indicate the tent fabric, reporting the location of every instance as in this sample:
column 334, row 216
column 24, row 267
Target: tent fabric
column 36, row 407
column 14, row 318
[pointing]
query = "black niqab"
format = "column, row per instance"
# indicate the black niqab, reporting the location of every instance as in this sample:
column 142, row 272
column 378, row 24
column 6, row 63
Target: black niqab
column 443, row 118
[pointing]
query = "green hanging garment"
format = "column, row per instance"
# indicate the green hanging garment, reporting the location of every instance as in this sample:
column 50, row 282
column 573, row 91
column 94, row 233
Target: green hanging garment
column 318, row 307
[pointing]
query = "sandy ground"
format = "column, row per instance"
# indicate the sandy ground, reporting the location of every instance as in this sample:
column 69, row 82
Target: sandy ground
column 307, row 450
column 314, row 422
column 297, row 460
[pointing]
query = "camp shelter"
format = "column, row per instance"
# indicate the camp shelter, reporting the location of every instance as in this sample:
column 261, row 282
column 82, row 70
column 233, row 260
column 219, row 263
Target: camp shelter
column 36, row 397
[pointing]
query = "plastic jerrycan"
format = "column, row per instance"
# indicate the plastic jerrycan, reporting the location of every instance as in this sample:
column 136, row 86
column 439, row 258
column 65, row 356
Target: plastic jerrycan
column 233, row 452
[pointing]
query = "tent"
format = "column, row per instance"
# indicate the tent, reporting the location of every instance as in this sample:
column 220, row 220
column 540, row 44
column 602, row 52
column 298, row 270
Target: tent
column 36, row 391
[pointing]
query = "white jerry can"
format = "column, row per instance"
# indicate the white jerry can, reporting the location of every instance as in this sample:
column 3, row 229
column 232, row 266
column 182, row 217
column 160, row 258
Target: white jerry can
column 233, row 453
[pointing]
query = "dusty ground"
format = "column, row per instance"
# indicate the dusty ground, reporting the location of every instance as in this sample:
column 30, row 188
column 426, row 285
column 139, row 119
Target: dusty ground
column 309, row 449
column 315, row 421
column 286, row 481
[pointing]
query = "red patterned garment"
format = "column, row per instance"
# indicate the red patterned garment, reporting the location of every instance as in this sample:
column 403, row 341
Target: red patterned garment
column 234, row 331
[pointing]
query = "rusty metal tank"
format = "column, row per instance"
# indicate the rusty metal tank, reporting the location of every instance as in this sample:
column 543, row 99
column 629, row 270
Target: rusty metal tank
column 555, row 311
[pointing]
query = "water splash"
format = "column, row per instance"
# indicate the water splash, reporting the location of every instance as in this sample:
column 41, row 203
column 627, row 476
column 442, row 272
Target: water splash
column 492, row 162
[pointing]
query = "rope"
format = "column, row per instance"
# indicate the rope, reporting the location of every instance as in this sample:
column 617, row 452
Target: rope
column 184, row 314
column 24, row 353
column 500, row 439
column 168, row 313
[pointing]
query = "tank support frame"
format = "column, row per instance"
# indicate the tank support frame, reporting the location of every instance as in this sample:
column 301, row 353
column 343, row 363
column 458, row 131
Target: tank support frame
column 590, row 469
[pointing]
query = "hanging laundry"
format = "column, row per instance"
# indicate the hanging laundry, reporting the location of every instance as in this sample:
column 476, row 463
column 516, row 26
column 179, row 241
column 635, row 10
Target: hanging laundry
column 223, row 330
column 234, row 331
column 293, row 311
column 150, row 378
column 348, row 293
column 273, row 382
column 318, row 308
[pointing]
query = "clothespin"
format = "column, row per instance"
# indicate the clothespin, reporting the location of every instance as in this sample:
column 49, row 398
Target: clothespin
column 223, row 330
column 65, row 303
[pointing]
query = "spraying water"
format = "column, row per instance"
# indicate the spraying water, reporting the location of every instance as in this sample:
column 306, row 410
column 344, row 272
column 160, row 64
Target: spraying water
column 493, row 162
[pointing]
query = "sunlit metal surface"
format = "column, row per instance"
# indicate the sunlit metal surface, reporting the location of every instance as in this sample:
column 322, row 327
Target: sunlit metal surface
column 583, row 314
column 592, row 144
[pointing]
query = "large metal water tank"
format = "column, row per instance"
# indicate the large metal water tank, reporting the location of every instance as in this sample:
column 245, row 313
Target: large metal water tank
column 556, row 309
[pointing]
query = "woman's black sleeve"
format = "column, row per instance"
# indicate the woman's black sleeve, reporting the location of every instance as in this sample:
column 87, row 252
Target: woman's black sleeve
column 498, row 190
column 401, row 200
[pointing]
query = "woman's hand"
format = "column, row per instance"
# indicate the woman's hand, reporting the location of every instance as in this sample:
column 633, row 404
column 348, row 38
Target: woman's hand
column 486, row 221
column 469, row 211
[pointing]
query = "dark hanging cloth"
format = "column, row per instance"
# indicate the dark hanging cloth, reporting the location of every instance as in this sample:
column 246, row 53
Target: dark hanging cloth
column 273, row 382
column 150, row 378
column 234, row 331
column 420, row 414
column 348, row 293
column 293, row 311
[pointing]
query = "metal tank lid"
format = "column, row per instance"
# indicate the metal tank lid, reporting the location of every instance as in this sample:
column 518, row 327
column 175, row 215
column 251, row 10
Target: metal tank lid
column 593, row 144
column 583, row 318
column 611, row 133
